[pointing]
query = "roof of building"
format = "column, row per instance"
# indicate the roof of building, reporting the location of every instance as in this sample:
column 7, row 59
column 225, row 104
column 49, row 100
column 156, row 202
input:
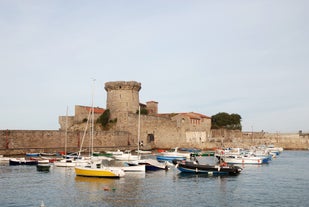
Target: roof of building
column 96, row 110
column 193, row 115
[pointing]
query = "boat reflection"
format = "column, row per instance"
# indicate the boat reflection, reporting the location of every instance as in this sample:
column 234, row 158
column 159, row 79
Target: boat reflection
column 105, row 181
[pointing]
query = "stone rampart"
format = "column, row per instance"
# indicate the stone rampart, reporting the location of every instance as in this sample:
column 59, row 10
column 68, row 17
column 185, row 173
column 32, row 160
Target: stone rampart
column 23, row 141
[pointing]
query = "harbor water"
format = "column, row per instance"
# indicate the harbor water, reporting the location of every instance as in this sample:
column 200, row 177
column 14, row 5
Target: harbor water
column 282, row 182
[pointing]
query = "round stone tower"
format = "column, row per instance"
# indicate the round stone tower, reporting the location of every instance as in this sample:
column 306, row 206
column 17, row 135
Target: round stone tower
column 122, row 98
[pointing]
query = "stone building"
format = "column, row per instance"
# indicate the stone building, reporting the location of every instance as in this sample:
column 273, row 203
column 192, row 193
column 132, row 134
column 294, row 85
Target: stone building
column 156, row 130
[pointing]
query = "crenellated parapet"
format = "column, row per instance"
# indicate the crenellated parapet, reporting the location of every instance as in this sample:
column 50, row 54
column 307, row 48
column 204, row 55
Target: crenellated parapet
column 123, row 85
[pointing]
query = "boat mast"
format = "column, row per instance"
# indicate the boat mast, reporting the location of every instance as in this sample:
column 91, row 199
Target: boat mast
column 138, row 128
column 92, row 116
column 66, row 132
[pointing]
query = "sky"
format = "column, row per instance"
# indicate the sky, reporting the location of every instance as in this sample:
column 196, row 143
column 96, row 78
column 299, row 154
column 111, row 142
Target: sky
column 205, row 56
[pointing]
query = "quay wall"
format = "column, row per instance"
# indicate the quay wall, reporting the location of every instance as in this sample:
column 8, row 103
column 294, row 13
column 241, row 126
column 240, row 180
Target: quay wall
column 13, row 142
column 236, row 138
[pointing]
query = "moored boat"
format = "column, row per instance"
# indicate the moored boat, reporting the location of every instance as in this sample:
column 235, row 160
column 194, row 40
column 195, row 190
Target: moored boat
column 133, row 168
column 125, row 156
column 153, row 165
column 22, row 161
column 43, row 167
column 194, row 167
column 173, row 154
column 4, row 159
column 99, row 170
column 236, row 159
column 32, row 154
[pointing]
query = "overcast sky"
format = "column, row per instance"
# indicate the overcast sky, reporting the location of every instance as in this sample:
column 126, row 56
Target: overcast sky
column 234, row 56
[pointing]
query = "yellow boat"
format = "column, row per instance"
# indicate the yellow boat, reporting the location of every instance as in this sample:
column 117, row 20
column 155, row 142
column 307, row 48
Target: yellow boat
column 98, row 170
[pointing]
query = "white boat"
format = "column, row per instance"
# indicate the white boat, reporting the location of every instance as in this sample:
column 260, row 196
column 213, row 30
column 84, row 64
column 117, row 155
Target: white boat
column 126, row 156
column 172, row 155
column 274, row 150
column 242, row 159
column 65, row 163
column 5, row 159
column 118, row 152
column 70, row 162
column 134, row 168
column 143, row 151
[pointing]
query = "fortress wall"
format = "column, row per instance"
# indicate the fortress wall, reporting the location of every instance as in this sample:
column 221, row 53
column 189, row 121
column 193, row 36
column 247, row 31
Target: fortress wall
column 164, row 131
column 23, row 141
column 166, row 135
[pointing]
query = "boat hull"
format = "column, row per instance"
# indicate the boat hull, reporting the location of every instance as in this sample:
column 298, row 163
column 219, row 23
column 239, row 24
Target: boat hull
column 134, row 168
column 22, row 162
column 103, row 173
column 190, row 167
column 64, row 164
column 43, row 167
column 161, row 158
column 252, row 161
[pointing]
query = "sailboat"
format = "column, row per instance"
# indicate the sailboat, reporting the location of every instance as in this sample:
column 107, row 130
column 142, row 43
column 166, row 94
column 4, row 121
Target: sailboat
column 148, row 164
column 95, row 168
column 68, row 160
column 65, row 162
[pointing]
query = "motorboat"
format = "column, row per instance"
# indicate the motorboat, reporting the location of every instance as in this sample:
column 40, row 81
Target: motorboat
column 195, row 167
column 95, row 169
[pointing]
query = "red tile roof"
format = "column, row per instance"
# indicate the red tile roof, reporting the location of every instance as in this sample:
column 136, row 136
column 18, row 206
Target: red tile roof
column 96, row 110
column 193, row 115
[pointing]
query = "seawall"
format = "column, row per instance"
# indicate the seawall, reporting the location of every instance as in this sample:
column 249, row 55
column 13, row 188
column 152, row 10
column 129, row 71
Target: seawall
column 14, row 142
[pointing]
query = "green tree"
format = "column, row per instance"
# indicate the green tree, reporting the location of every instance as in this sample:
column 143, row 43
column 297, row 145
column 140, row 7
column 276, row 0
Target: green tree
column 225, row 120
column 104, row 118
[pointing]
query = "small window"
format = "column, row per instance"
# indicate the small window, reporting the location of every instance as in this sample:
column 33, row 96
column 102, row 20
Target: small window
column 150, row 138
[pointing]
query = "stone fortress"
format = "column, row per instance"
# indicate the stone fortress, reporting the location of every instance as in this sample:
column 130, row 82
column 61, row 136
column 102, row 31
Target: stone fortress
column 156, row 130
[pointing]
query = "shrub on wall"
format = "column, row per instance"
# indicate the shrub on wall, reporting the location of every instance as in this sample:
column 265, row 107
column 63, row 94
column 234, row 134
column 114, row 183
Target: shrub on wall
column 143, row 111
column 104, row 118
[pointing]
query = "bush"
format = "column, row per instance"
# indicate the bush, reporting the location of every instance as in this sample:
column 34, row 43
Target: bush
column 227, row 121
column 104, row 118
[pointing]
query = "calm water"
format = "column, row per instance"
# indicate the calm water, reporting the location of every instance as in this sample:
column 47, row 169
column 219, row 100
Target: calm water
column 283, row 182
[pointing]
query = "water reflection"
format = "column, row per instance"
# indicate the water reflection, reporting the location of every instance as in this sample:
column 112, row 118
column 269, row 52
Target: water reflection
column 90, row 180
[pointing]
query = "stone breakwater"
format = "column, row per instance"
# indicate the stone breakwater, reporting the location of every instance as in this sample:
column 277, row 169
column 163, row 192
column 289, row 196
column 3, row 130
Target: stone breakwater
column 13, row 142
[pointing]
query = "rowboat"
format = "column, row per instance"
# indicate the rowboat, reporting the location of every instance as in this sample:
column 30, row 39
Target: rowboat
column 43, row 167
column 32, row 154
